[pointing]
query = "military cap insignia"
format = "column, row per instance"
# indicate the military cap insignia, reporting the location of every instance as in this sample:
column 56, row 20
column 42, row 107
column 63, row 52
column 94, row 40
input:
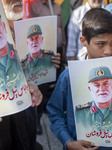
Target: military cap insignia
column 78, row 107
column 41, row 55
column 34, row 29
column 100, row 72
column 12, row 54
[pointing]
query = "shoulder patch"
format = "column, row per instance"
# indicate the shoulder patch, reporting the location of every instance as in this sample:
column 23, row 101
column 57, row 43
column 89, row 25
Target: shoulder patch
column 78, row 107
column 23, row 59
column 48, row 52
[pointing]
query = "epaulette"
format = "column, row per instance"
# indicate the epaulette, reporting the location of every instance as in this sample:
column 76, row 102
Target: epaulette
column 78, row 107
column 23, row 59
column 48, row 52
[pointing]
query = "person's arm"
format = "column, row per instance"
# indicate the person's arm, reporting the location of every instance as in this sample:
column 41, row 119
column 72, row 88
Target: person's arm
column 56, row 108
column 36, row 95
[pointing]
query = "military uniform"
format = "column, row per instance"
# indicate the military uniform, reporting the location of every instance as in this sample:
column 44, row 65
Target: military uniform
column 89, row 115
column 11, row 73
column 35, row 66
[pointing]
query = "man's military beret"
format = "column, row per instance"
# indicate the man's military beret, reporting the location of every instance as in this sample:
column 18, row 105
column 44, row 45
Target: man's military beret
column 34, row 29
column 102, row 72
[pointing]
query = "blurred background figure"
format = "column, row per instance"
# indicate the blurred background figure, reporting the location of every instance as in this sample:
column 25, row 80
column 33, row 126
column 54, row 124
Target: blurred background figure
column 75, row 50
column 109, row 7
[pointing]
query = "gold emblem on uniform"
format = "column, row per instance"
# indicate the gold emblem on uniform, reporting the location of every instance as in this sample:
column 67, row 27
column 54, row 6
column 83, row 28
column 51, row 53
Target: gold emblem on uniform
column 100, row 72
column 34, row 29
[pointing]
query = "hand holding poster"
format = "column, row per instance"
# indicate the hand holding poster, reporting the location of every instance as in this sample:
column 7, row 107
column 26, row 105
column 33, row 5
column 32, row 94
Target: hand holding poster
column 14, row 91
column 36, row 44
column 92, row 99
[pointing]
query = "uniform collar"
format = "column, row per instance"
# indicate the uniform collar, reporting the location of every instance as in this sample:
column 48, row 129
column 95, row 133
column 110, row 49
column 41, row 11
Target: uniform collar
column 94, row 108
column 11, row 53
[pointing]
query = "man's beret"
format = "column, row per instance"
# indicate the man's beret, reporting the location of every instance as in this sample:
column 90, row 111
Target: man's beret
column 34, row 29
column 102, row 72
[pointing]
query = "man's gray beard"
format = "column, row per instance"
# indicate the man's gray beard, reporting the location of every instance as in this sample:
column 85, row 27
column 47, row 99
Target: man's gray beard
column 11, row 15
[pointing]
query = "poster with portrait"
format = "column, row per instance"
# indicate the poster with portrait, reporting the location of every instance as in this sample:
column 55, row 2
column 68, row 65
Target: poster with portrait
column 36, row 41
column 91, row 86
column 14, row 91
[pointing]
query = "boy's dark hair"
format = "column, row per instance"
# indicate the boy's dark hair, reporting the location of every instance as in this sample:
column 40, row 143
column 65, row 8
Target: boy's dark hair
column 96, row 21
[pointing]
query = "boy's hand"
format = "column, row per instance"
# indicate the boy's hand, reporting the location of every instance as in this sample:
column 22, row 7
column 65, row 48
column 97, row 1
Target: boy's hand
column 56, row 60
column 36, row 95
column 81, row 145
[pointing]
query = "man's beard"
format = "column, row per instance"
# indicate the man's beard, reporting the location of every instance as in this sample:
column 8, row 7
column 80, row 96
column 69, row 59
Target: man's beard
column 3, row 41
column 34, row 49
column 10, row 14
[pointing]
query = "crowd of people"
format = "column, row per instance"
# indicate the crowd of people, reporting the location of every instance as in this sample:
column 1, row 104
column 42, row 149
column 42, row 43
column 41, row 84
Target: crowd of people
column 75, row 41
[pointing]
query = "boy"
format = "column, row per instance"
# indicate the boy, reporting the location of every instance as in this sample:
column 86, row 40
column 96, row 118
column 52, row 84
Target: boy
column 97, row 37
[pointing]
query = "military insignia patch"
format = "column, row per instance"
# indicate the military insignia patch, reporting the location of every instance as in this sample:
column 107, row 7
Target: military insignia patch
column 93, row 109
column 34, row 29
column 82, row 106
column 12, row 54
column 100, row 72
column 29, row 59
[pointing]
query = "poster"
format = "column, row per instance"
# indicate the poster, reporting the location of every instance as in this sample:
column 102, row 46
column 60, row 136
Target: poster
column 14, row 91
column 36, row 41
column 91, row 85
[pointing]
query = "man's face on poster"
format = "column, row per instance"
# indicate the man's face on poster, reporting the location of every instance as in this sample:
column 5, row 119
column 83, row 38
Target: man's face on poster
column 34, row 43
column 3, row 35
column 13, row 9
column 101, row 90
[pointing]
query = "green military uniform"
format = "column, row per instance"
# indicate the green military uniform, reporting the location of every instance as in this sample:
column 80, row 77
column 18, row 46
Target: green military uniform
column 35, row 67
column 11, row 73
column 89, row 115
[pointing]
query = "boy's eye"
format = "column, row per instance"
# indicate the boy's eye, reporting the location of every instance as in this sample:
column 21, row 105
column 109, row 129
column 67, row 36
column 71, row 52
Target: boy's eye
column 100, row 44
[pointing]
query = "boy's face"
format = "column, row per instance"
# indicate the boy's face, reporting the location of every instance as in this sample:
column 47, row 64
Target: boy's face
column 99, row 46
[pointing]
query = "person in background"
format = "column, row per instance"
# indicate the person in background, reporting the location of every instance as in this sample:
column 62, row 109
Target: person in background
column 75, row 50
column 109, row 7
column 98, row 41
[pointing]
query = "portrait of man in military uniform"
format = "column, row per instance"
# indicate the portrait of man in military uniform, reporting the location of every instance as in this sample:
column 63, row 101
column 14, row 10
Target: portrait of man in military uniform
column 10, row 69
column 37, row 62
column 96, row 115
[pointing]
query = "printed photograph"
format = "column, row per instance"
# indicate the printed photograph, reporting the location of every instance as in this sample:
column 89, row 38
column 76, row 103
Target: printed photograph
column 91, row 84
column 13, row 85
column 37, row 46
